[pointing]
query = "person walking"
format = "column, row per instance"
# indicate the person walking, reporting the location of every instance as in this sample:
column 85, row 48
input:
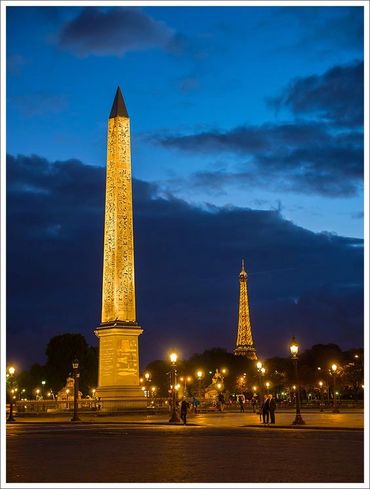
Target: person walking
column 195, row 404
column 184, row 410
column 221, row 402
column 265, row 409
column 272, row 407
column 254, row 402
column 241, row 400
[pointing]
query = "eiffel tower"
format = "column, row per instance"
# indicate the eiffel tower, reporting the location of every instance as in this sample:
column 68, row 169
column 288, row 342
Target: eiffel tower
column 244, row 341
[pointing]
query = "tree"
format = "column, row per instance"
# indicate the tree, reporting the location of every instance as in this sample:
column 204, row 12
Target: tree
column 61, row 351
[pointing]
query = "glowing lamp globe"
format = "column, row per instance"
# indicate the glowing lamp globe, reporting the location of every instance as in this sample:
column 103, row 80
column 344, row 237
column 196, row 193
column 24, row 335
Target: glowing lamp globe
column 199, row 374
column 294, row 348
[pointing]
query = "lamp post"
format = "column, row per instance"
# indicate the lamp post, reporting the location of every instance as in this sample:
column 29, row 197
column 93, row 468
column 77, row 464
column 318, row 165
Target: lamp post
column 261, row 372
column 200, row 377
column 76, row 376
column 11, row 371
column 334, row 369
column 148, row 379
column 188, row 379
column 43, row 382
column 174, row 416
column 321, row 399
column 268, row 387
column 294, row 347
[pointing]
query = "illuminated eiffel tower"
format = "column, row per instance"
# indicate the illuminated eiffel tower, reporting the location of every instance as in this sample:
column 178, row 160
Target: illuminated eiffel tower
column 244, row 341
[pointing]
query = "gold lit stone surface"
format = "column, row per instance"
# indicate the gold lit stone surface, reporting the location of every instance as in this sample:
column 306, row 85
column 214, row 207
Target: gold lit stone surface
column 244, row 342
column 118, row 302
column 118, row 333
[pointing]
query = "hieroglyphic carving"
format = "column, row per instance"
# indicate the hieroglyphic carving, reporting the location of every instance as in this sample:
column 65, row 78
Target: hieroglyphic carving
column 118, row 271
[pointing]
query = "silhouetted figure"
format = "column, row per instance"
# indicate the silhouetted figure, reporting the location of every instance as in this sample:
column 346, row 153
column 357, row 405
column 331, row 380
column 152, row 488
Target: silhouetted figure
column 241, row 400
column 266, row 409
column 221, row 402
column 254, row 402
column 272, row 407
column 184, row 410
column 196, row 404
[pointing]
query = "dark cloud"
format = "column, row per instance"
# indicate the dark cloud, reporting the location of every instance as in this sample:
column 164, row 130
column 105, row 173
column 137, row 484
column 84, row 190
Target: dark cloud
column 322, row 155
column 187, row 264
column 300, row 157
column 116, row 32
column 337, row 95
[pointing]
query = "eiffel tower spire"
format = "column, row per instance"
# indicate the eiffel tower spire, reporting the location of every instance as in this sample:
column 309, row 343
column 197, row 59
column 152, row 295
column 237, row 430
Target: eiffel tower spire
column 244, row 341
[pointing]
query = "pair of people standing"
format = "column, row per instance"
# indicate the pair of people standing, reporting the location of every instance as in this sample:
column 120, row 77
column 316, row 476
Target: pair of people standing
column 268, row 409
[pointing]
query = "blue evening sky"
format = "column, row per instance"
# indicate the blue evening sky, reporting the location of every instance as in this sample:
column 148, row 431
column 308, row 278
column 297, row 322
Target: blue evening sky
column 199, row 84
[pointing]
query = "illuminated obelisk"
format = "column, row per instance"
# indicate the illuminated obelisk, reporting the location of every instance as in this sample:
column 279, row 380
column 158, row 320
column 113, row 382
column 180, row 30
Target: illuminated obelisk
column 244, row 341
column 118, row 332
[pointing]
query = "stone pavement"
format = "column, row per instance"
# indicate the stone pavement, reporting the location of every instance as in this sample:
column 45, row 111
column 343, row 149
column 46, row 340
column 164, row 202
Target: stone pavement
column 350, row 420
column 155, row 451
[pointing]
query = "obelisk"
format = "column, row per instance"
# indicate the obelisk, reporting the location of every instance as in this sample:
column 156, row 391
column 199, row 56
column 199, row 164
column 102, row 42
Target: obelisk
column 244, row 340
column 118, row 332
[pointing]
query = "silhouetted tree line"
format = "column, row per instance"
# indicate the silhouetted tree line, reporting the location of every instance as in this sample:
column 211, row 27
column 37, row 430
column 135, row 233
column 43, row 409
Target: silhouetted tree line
column 60, row 352
column 314, row 365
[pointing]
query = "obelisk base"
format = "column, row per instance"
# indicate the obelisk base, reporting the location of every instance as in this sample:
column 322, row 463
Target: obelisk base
column 118, row 385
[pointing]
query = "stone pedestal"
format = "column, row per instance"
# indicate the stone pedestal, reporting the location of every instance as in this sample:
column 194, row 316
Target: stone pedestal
column 119, row 366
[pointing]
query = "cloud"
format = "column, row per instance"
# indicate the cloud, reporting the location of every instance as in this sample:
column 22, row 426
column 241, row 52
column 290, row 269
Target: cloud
column 187, row 264
column 115, row 32
column 337, row 95
column 299, row 157
column 321, row 154
column 39, row 103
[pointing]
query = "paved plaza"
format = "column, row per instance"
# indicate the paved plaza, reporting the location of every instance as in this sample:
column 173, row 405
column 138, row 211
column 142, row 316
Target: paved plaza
column 224, row 447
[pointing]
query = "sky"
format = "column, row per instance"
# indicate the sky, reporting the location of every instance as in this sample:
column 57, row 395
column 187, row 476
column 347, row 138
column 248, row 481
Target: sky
column 247, row 140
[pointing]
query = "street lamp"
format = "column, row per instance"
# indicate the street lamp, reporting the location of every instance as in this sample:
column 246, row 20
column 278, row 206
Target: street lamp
column 294, row 347
column 43, row 382
column 11, row 371
column 267, row 386
column 76, row 376
column 185, row 380
column 334, row 369
column 200, row 377
column 174, row 416
column 261, row 372
column 321, row 383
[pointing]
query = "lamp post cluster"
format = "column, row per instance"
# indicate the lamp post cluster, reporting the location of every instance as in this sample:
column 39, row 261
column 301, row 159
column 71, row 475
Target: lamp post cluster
column 185, row 381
